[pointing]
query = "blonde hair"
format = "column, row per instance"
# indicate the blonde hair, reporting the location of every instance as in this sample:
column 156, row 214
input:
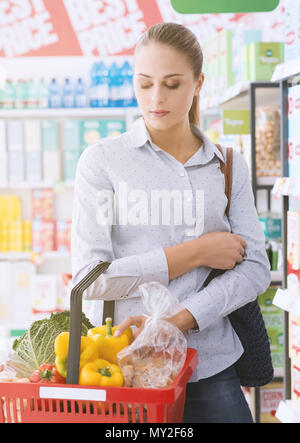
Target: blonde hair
column 183, row 40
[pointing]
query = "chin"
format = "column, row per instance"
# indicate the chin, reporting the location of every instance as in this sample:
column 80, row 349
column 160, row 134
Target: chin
column 161, row 123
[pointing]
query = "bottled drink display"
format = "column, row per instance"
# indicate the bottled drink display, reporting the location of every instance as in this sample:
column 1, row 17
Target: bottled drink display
column 109, row 85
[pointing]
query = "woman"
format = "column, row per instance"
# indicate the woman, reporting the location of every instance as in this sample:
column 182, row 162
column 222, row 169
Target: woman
column 166, row 154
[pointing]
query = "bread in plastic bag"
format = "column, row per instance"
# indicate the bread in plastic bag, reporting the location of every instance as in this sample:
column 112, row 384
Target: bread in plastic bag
column 157, row 355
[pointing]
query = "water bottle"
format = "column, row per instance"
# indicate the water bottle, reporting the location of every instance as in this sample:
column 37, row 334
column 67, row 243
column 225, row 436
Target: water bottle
column 54, row 94
column 68, row 94
column 9, row 95
column 127, row 92
column 93, row 92
column 115, row 84
column 80, row 95
column 20, row 94
column 32, row 94
column 43, row 94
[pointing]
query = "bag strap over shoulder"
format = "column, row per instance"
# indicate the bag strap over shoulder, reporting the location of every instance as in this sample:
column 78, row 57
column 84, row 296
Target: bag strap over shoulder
column 226, row 168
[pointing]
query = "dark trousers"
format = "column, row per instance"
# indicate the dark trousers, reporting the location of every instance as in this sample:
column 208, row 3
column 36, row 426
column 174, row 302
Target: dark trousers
column 217, row 399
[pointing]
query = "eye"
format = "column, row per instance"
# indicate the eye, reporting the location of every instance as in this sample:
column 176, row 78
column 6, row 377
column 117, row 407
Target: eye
column 173, row 86
column 145, row 86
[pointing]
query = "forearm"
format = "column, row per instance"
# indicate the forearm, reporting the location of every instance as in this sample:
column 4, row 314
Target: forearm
column 183, row 258
column 183, row 320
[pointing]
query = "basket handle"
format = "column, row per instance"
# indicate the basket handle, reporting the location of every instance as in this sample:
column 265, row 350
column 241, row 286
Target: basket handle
column 75, row 321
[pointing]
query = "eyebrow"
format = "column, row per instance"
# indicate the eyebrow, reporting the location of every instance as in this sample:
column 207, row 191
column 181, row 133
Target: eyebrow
column 166, row 76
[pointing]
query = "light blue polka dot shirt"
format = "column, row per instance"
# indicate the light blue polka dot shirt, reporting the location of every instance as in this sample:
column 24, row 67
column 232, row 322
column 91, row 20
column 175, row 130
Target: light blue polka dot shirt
column 132, row 169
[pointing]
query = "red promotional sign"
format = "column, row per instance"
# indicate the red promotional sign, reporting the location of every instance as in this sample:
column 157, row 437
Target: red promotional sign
column 74, row 27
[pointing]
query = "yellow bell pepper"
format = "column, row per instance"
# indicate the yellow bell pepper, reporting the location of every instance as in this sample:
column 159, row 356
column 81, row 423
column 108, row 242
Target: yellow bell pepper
column 101, row 373
column 88, row 352
column 108, row 345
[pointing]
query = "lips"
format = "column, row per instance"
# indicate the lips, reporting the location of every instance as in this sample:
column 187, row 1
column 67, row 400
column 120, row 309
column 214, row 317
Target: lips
column 159, row 113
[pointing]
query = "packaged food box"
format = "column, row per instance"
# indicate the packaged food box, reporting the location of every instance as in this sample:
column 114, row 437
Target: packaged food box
column 293, row 227
column 263, row 57
column 42, row 204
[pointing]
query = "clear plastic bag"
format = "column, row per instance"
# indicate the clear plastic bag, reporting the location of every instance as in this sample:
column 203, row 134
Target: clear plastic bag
column 158, row 354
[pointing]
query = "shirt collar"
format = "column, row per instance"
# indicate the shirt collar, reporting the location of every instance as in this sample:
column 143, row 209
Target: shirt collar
column 139, row 137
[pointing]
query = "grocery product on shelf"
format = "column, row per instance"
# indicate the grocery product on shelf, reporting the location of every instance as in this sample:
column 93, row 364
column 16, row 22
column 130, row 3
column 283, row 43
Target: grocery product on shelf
column 272, row 227
column 54, row 94
column 293, row 252
column 268, row 141
column 292, row 26
column 294, row 131
column 260, row 60
column 241, row 37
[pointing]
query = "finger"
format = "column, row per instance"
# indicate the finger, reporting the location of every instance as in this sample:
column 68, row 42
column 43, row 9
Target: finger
column 128, row 321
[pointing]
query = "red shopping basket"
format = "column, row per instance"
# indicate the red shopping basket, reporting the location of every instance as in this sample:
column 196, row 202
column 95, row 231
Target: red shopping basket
column 73, row 403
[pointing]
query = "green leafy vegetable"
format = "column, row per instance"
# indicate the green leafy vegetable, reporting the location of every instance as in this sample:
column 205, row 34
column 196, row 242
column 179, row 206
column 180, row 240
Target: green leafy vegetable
column 36, row 347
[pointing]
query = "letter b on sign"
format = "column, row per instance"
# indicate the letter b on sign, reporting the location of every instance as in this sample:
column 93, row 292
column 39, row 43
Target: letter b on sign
column 219, row 6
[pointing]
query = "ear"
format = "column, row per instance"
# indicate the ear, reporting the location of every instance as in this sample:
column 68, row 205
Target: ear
column 199, row 84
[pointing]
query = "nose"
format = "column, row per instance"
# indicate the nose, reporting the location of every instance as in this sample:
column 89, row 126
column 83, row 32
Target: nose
column 157, row 96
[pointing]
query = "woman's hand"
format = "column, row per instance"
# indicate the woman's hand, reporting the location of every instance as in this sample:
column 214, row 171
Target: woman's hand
column 183, row 320
column 221, row 250
column 134, row 320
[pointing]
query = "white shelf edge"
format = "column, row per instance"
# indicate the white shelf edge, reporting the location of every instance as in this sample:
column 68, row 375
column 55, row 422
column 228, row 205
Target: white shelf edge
column 19, row 256
column 229, row 94
column 57, row 186
column 288, row 186
column 286, row 69
column 287, row 301
column 276, row 276
column 68, row 112
column 288, row 411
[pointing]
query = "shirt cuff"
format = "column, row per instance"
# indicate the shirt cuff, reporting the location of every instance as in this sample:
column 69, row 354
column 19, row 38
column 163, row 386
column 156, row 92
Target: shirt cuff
column 202, row 308
column 154, row 266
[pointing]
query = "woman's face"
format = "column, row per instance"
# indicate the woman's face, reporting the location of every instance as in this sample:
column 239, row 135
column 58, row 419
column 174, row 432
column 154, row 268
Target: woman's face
column 164, row 85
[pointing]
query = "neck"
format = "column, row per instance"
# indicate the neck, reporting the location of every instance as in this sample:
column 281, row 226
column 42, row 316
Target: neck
column 175, row 140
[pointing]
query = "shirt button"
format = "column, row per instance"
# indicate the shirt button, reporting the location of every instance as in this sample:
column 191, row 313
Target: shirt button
column 189, row 199
column 182, row 174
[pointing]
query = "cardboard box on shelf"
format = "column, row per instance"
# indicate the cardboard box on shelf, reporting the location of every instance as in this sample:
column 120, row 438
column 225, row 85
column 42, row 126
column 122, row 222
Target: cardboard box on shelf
column 293, row 131
column 240, row 38
column 270, row 397
column 42, row 204
column 43, row 236
column 274, row 321
column 262, row 59
column 3, row 155
column 294, row 336
column 51, row 152
column 70, row 160
column 293, row 281
column 226, row 77
column 15, row 144
column 71, row 135
column 63, row 235
column 293, row 227
column 22, row 274
column 33, row 150
column 91, row 131
column 292, row 26
column 293, row 257
column 44, row 294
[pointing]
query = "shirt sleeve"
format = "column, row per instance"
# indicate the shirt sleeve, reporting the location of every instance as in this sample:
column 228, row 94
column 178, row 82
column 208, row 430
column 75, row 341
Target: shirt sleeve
column 241, row 285
column 91, row 239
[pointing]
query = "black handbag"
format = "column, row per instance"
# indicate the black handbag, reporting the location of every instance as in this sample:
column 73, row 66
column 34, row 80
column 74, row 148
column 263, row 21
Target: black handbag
column 254, row 368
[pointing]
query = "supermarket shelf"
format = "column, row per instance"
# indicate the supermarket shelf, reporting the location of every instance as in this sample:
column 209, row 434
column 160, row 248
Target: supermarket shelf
column 230, row 93
column 20, row 256
column 287, row 186
column 288, row 411
column 238, row 97
column 69, row 112
column 57, row 186
column 287, row 301
column 287, row 69
column 276, row 276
